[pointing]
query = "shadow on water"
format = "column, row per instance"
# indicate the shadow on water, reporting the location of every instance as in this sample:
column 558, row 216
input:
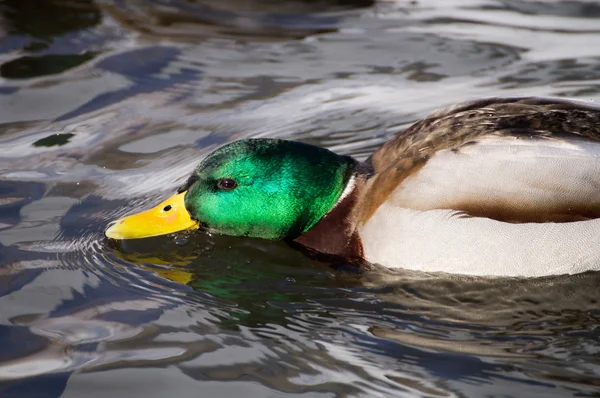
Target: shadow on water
column 259, row 278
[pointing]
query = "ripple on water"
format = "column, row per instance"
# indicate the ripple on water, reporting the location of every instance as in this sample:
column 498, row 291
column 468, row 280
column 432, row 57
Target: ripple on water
column 147, row 89
column 226, row 308
column 266, row 20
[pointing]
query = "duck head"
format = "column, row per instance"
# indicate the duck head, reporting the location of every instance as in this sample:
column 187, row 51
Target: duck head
column 263, row 188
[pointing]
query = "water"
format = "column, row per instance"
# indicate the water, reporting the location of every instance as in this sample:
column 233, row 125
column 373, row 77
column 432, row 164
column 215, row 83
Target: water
column 106, row 106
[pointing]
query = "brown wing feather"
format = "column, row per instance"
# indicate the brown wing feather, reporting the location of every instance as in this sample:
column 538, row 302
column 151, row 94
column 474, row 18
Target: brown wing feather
column 459, row 125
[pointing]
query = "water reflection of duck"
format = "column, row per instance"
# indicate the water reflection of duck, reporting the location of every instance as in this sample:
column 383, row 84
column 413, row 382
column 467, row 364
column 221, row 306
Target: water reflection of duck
column 499, row 186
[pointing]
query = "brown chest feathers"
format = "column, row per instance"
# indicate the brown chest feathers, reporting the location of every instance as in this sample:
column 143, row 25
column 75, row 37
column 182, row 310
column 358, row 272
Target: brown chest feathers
column 335, row 234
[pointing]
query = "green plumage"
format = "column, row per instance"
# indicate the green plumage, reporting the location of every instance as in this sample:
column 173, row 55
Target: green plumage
column 283, row 188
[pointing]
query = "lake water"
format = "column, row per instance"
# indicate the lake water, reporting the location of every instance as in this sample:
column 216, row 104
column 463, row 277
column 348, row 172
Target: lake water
column 106, row 107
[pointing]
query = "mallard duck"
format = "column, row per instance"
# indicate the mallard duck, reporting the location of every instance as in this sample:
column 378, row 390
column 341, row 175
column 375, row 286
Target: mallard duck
column 498, row 186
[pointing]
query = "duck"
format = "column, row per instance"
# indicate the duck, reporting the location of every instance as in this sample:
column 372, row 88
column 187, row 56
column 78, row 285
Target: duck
column 494, row 187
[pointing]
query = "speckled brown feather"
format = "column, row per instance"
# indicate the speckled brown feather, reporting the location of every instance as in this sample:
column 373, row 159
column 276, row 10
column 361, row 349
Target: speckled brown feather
column 459, row 125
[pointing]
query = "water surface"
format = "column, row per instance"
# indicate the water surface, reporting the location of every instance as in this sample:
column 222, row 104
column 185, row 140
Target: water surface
column 106, row 106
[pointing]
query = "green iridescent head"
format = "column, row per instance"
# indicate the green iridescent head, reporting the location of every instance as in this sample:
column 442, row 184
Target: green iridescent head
column 266, row 188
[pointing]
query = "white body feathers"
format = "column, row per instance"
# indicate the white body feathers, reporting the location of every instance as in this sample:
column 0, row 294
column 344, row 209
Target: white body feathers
column 419, row 228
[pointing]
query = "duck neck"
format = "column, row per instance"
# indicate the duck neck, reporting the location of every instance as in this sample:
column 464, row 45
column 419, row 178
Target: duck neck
column 335, row 233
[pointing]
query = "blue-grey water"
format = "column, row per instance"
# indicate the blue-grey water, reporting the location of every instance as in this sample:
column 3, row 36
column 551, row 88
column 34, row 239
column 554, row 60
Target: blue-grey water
column 107, row 105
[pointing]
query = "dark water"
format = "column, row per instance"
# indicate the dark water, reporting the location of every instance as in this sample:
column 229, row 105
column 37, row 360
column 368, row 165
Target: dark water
column 106, row 106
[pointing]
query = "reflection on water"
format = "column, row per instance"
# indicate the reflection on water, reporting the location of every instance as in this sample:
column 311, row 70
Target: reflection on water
column 106, row 107
column 200, row 19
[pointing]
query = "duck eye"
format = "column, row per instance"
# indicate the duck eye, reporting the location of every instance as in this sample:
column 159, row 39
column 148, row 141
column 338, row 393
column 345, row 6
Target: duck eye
column 227, row 184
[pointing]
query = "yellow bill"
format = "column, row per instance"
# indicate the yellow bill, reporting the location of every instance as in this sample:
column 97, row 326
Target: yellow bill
column 168, row 217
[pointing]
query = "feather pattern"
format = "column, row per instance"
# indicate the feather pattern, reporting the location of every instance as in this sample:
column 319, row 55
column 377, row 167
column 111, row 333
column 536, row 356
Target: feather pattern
column 499, row 186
